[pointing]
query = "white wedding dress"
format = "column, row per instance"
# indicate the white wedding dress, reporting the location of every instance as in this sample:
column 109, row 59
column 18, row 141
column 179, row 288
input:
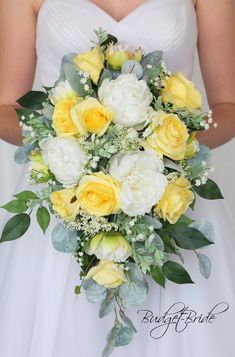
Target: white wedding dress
column 39, row 314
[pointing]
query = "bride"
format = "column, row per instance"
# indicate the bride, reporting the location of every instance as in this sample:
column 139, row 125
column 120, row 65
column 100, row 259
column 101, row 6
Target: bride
column 39, row 316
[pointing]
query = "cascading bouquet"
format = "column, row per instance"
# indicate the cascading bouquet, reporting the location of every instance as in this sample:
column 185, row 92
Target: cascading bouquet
column 113, row 153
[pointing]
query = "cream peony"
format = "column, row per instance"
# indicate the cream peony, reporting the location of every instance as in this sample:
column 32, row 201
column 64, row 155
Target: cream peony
column 128, row 98
column 63, row 91
column 65, row 158
column 110, row 246
column 142, row 181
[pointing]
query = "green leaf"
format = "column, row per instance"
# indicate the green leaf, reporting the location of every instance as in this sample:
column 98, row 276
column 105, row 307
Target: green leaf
column 15, row 227
column 127, row 321
column 209, row 191
column 33, row 100
column 26, row 196
column 15, row 206
column 158, row 276
column 108, row 304
column 63, row 239
column 176, row 273
column 205, row 227
column 204, row 265
column 43, row 218
column 168, row 244
column 188, row 237
column 184, row 221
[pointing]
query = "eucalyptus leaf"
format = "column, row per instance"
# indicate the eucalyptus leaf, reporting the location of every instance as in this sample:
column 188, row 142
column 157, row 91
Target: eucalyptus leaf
column 63, row 239
column 204, row 154
column 176, row 273
column 21, row 155
column 123, row 336
column 111, row 337
column 134, row 292
column 204, row 265
column 15, row 206
column 106, row 73
column 152, row 221
column 74, row 79
column 153, row 58
column 43, row 218
column 127, row 321
column 48, row 111
column 180, row 255
column 94, row 292
column 15, row 227
column 67, row 58
column 108, row 304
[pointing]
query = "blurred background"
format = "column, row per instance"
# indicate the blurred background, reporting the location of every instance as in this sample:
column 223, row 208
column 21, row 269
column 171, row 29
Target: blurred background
column 223, row 161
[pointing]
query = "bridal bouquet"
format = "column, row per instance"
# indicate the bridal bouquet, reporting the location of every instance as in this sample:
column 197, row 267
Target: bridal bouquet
column 113, row 154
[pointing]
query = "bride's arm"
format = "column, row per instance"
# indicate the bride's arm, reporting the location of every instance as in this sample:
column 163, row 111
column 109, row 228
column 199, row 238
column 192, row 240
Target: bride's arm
column 17, row 61
column 216, row 46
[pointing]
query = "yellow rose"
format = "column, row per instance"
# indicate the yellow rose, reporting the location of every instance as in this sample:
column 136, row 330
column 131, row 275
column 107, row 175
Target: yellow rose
column 91, row 62
column 62, row 121
column 65, row 203
column 169, row 137
column 99, row 194
column 90, row 116
column 175, row 200
column 110, row 246
column 108, row 274
column 179, row 91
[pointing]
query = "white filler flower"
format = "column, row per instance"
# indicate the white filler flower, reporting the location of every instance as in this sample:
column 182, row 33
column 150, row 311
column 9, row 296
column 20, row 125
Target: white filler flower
column 142, row 181
column 128, row 98
column 65, row 158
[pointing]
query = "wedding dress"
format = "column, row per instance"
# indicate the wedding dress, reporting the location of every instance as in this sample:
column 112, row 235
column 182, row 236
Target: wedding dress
column 39, row 313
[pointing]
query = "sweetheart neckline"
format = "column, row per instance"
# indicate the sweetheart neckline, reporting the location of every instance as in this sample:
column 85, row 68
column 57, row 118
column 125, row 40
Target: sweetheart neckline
column 129, row 14
column 133, row 12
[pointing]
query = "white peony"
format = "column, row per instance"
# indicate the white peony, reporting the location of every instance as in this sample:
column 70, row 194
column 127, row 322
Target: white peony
column 128, row 98
column 63, row 91
column 65, row 158
column 142, row 181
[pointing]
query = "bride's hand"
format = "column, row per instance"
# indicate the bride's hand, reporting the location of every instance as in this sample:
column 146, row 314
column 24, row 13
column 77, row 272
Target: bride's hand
column 17, row 61
column 216, row 47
